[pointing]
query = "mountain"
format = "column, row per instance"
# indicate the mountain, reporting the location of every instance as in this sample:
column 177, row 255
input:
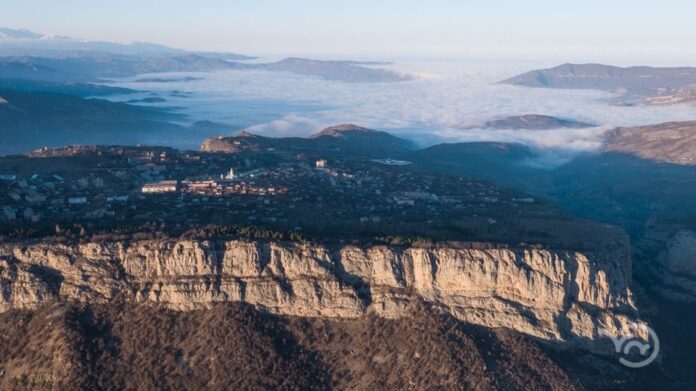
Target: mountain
column 505, row 163
column 673, row 142
column 349, row 140
column 94, row 67
column 105, row 59
column 115, row 345
column 346, row 71
column 26, row 69
column 673, row 96
column 31, row 120
column 345, row 130
column 11, row 34
column 634, row 84
column 27, row 43
column 33, row 56
column 535, row 122
column 67, row 88
column 118, row 310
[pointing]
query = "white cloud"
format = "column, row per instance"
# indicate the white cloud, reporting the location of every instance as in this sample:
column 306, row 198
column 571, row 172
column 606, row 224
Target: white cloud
column 289, row 125
column 429, row 110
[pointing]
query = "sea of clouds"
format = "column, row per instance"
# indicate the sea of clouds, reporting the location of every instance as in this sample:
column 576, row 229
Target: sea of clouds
column 448, row 103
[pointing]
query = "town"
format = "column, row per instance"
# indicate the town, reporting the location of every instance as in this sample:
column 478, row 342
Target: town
column 103, row 187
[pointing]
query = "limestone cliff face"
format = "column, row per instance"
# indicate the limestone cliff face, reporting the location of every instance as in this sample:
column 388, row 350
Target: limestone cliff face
column 554, row 295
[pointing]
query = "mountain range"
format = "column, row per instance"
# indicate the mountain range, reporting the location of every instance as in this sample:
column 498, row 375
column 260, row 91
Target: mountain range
column 33, row 56
column 634, row 85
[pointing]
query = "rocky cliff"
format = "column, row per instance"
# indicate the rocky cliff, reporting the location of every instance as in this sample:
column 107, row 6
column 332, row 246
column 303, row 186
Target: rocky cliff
column 676, row 267
column 553, row 295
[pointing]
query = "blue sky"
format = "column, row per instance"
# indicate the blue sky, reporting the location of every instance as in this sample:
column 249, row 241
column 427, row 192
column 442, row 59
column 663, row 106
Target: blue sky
column 435, row 28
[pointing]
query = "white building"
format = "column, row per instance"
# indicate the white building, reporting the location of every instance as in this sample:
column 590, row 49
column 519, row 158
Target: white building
column 321, row 163
column 161, row 187
column 230, row 175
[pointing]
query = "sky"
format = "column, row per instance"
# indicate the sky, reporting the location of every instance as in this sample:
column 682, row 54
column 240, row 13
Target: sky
column 662, row 31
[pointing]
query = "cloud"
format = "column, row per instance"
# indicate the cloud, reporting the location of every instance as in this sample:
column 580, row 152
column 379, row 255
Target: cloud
column 289, row 125
column 429, row 110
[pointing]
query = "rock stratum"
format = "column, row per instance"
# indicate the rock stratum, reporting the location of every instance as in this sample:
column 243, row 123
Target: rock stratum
column 563, row 296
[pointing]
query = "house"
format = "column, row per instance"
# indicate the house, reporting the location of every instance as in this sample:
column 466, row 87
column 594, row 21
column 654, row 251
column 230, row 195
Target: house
column 321, row 163
column 161, row 187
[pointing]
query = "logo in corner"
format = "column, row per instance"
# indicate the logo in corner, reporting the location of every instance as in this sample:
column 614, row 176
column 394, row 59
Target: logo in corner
column 635, row 351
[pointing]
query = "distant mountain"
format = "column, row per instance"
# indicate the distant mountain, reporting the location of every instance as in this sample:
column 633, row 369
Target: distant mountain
column 97, row 65
column 103, row 65
column 339, row 140
column 534, row 122
column 634, row 84
column 347, row 71
column 673, row 142
column 28, row 55
column 32, row 120
column 69, row 88
column 673, row 96
column 28, row 43
column 8, row 34
column 26, row 69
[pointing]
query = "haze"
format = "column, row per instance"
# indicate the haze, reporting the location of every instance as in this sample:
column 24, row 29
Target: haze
column 624, row 32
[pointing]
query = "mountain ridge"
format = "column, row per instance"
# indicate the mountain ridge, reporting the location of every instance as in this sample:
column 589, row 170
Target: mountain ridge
column 634, row 85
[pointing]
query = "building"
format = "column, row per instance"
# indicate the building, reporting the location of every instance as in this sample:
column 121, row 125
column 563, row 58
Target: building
column 321, row 163
column 8, row 177
column 230, row 175
column 161, row 187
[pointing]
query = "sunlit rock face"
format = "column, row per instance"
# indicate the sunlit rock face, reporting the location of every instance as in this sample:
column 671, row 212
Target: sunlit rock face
column 550, row 294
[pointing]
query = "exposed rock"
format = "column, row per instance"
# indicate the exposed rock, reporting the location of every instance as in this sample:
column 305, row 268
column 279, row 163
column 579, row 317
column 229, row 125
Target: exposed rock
column 553, row 295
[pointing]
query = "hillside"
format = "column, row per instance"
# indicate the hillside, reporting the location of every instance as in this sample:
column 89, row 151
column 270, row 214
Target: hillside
column 347, row 71
column 633, row 84
column 535, row 122
column 348, row 140
column 673, row 142
column 33, row 120
column 129, row 347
